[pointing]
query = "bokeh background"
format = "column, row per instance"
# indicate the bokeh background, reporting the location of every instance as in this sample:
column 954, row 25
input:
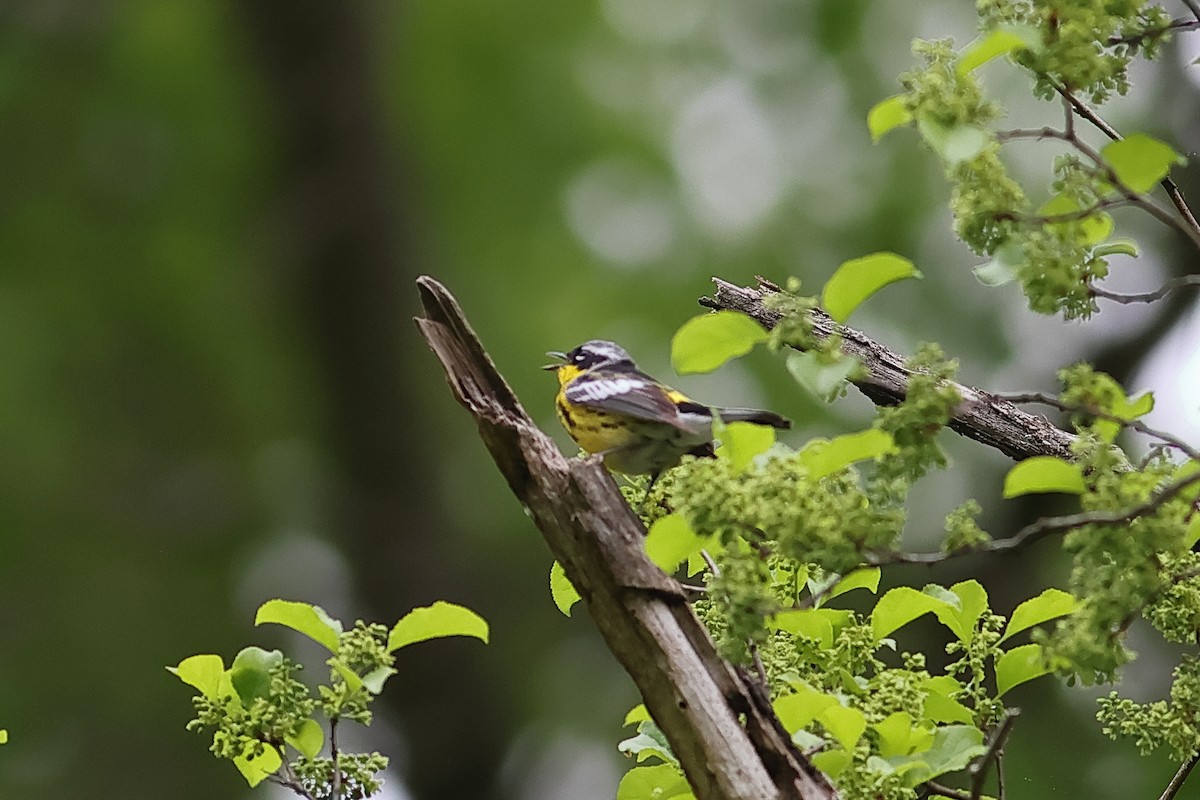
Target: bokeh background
column 211, row 391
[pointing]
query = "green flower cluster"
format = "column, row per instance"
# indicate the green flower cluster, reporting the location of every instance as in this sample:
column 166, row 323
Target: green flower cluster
column 362, row 650
column 1115, row 565
column 962, row 531
column 359, row 778
column 1072, row 47
column 270, row 718
column 929, row 403
column 1176, row 612
column 1084, row 45
column 1174, row 725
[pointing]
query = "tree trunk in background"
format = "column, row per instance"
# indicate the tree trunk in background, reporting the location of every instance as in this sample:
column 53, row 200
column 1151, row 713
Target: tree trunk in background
column 342, row 233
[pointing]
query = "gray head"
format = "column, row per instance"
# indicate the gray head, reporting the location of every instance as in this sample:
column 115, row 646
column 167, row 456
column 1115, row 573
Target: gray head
column 596, row 353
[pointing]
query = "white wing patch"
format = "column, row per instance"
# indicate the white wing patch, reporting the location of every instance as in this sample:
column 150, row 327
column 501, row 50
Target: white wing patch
column 596, row 390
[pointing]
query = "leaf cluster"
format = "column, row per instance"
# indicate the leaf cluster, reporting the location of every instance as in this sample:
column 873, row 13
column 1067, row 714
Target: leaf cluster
column 879, row 730
column 779, row 534
column 261, row 716
column 1060, row 249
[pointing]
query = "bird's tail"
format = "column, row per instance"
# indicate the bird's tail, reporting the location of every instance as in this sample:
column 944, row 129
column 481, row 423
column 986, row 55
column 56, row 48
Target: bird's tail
column 753, row 415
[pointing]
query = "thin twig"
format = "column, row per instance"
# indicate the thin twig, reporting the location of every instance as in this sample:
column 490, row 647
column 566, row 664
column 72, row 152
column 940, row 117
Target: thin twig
column 1186, row 226
column 935, row 788
column 1180, row 776
column 1048, row 525
column 1153, row 33
column 1042, row 528
column 1084, row 110
column 1067, row 216
column 759, row 666
column 995, row 746
column 1190, row 226
column 290, row 782
column 334, row 756
column 1147, row 297
column 1132, row 424
column 1194, row 7
column 1000, row 782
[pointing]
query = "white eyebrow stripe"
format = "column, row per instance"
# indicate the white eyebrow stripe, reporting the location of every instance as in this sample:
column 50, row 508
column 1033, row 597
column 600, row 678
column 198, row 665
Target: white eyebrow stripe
column 602, row 389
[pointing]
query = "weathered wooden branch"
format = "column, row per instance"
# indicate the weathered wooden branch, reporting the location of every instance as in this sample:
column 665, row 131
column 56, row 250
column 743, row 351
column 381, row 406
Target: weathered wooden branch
column 718, row 720
column 986, row 419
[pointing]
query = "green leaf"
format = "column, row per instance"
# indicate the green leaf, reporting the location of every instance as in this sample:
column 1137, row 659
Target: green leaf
column 995, row 43
column 649, row 741
column 742, row 442
column 304, row 618
column 844, row 724
column 960, row 613
column 806, row 622
column 900, row 606
column 374, row 680
column 886, row 115
column 1118, row 247
column 257, row 769
column 434, row 622
column 636, row 714
column 822, row 380
column 250, row 672
column 940, row 705
column 1036, row 610
column 1004, row 267
column 561, row 590
column 1096, row 227
column 1123, row 408
column 797, row 710
column 309, row 739
column 3, row 736
column 809, row 741
column 864, row 578
column 899, row 735
column 827, row 456
column 859, row 278
column 1140, row 406
column 201, row 672
column 954, row 144
column 659, row 782
column 1193, row 532
column 952, row 749
column 1182, row 473
column 832, row 762
column 1140, row 161
column 671, row 540
column 707, row 341
column 1019, row 665
column 1043, row 474
column 352, row 679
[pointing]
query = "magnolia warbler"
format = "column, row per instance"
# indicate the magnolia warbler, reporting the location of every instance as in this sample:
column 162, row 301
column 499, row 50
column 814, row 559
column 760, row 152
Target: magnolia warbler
column 639, row 425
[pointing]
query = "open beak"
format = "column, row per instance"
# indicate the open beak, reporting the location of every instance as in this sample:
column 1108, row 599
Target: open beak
column 562, row 357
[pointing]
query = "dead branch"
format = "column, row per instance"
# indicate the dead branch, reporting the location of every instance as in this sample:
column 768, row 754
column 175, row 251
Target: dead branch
column 980, row 416
column 718, row 720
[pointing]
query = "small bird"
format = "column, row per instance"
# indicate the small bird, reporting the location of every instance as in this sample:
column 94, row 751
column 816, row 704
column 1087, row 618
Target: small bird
column 639, row 425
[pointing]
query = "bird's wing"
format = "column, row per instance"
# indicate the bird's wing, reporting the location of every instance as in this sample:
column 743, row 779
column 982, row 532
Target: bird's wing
column 753, row 415
column 625, row 393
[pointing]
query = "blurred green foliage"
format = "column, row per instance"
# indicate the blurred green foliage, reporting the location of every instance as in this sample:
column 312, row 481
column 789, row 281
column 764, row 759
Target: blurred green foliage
column 210, row 215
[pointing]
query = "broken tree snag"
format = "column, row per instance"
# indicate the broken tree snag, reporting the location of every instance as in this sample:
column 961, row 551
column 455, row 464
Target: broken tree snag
column 986, row 419
column 721, row 728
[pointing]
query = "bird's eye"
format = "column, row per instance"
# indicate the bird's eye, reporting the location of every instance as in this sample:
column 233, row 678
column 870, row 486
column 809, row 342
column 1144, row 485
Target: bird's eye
column 579, row 356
